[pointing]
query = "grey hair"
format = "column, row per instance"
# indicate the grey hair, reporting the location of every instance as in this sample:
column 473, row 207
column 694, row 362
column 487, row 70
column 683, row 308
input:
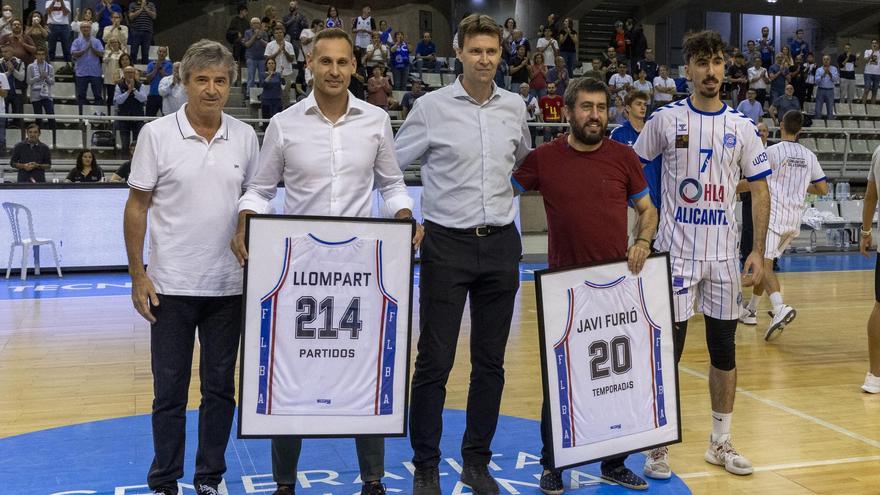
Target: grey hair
column 207, row 53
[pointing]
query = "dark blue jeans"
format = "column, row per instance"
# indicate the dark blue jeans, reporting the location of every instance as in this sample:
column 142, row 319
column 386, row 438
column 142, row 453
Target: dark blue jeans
column 59, row 32
column 45, row 106
column 172, row 340
column 82, row 84
column 140, row 40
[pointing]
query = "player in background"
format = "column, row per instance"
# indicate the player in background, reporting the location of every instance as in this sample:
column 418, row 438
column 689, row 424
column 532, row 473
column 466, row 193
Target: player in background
column 303, row 148
column 705, row 146
column 588, row 228
column 872, row 379
column 636, row 105
column 551, row 111
column 796, row 172
column 746, row 233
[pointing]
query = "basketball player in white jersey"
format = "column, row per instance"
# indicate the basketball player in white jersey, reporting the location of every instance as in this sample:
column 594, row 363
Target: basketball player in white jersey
column 362, row 27
column 705, row 146
column 330, row 170
column 796, row 172
column 872, row 379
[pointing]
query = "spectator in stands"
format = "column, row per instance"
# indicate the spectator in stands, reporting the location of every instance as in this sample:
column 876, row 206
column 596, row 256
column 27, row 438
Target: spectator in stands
column 362, row 28
column 36, row 29
column 507, row 36
column 4, row 91
column 270, row 16
column 400, row 61
column 596, row 70
column 378, row 88
column 617, row 113
column 538, row 75
column 235, row 35
column 751, row 107
column 301, row 88
column 621, row 82
column 255, row 41
column 22, row 45
column 110, row 68
column 87, row 52
column 285, row 57
column 385, row 34
column 643, row 85
column 664, row 88
column 551, row 111
column 333, row 19
column 531, row 104
column 809, row 71
column 758, row 80
column 638, row 44
column 827, row 77
column 787, row 59
column 520, row 40
column 172, row 91
column 648, row 64
column 103, row 10
column 752, row 51
column 559, row 76
column 358, row 83
column 124, row 61
column 377, row 54
column 549, row 46
column 568, row 44
column 87, row 17
column 872, row 72
column 13, row 68
column 116, row 30
column 738, row 78
column 797, row 78
column 270, row 100
column 58, row 12
column 40, row 78
column 426, row 54
column 156, row 70
column 776, row 73
column 553, row 22
column 121, row 174
column 518, row 68
column 619, row 41
column 129, row 99
column 141, row 18
column 86, row 169
column 766, row 47
column 636, row 107
column 306, row 41
column 410, row 97
column 610, row 58
column 6, row 20
column 31, row 157
column 799, row 46
column 784, row 104
column 294, row 24
column 846, row 65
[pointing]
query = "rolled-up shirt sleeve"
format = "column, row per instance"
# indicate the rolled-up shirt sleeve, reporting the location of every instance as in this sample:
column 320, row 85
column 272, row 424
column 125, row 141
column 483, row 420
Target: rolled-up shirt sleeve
column 261, row 188
column 388, row 173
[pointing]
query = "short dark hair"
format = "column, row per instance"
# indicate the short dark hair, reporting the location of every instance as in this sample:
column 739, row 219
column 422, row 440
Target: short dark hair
column 586, row 85
column 317, row 22
column 241, row 8
column 33, row 125
column 704, row 43
column 792, row 122
column 333, row 34
column 632, row 96
column 475, row 24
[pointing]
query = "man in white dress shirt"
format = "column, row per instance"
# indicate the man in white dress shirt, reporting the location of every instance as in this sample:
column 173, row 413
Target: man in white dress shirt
column 172, row 91
column 469, row 135
column 330, row 149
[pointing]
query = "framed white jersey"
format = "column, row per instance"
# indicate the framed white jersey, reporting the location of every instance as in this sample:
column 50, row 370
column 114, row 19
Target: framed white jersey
column 325, row 346
column 610, row 379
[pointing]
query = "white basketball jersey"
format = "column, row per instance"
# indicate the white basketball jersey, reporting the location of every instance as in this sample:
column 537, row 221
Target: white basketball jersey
column 363, row 39
column 608, row 364
column 328, row 332
column 794, row 168
column 703, row 155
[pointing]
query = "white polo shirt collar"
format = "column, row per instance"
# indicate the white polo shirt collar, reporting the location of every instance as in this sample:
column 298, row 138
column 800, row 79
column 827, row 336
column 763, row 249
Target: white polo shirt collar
column 187, row 131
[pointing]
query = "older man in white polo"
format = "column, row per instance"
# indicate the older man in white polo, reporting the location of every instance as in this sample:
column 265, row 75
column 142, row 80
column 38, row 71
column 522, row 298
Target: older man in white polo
column 188, row 171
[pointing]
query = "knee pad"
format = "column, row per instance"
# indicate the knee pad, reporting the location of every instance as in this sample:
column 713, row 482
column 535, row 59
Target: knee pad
column 720, row 339
column 679, row 333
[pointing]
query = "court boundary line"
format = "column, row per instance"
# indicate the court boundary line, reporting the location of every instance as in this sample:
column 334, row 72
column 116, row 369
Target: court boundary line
column 795, row 412
column 788, row 466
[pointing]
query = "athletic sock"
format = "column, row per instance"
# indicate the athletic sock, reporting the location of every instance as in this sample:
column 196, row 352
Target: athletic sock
column 776, row 301
column 721, row 426
column 753, row 303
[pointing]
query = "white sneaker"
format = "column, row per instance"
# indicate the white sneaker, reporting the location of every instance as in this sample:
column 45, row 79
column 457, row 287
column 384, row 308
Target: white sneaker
column 747, row 316
column 780, row 319
column 723, row 454
column 872, row 384
column 657, row 464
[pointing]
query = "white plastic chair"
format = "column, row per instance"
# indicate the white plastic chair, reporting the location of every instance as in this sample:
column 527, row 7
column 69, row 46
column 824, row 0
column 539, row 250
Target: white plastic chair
column 12, row 211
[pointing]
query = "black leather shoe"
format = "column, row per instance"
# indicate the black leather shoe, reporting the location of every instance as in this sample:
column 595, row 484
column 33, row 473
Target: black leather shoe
column 373, row 488
column 478, row 479
column 284, row 490
column 426, row 481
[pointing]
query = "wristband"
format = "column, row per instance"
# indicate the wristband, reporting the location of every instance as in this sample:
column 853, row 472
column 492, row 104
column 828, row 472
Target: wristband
column 866, row 232
column 643, row 239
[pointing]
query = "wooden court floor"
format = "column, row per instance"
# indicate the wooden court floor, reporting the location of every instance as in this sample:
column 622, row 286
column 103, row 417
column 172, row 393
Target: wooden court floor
column 800, row 415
